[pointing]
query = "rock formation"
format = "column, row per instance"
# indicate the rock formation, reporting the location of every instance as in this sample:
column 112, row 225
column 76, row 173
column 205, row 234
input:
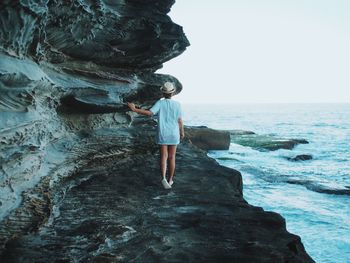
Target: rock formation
column 122, row 214
column 73, row 182
column 67, row 67
column 300, row 157
column 264, row 142
column 208, row 139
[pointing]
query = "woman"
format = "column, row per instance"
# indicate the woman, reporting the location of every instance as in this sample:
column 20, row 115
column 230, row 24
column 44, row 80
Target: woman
column 170, row 130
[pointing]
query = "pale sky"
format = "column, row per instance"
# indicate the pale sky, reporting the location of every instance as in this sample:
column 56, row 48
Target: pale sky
column 249, row 51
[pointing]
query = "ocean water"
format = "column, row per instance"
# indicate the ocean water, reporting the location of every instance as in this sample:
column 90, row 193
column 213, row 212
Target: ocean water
column 322, row 220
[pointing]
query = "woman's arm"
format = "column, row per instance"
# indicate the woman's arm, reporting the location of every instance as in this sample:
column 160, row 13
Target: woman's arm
column 139, row 111
column 181, row 128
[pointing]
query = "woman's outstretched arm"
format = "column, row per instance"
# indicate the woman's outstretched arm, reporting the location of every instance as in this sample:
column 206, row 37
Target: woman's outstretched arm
column 139, row 111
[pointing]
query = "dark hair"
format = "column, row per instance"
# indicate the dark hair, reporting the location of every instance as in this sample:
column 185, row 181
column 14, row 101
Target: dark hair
column 167, row 95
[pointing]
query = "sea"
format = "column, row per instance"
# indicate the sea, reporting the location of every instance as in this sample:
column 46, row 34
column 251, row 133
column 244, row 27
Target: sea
column 311, row 195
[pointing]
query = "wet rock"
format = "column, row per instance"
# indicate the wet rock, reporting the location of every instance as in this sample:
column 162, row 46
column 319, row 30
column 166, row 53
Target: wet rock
column 208, row 139
column 265, row 142
column 240, row 132
column 301, row 157
column 328, row 190
column 227, row 159
column 321, row 188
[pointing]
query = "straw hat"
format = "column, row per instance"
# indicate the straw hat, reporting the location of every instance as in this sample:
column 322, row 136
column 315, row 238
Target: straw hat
column 167, row 88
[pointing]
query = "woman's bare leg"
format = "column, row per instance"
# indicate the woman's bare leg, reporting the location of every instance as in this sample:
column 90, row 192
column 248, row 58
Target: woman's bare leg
column 163, row 160
column 171, row 159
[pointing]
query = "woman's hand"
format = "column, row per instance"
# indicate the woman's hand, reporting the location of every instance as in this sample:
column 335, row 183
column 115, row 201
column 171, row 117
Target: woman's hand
column 139, row 111
column 182, row 135
column 131, row 106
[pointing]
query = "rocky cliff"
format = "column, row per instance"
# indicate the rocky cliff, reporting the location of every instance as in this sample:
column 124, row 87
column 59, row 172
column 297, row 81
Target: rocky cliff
column 73, row 182
column 67, row 67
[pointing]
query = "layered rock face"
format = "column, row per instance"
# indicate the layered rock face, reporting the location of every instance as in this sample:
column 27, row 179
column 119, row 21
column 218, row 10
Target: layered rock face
column 69, row 66
column 78, row 177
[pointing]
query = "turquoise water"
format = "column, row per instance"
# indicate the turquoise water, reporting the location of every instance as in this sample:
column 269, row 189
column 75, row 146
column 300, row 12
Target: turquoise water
column 322, row 220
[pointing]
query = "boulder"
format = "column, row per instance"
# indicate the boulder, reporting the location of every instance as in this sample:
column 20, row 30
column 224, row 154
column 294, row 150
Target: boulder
column 300, row 157
column 208, row 139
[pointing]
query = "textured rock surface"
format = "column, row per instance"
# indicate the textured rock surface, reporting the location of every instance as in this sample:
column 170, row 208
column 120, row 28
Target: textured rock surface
column 321, row 187
column 67, row 67
column 73, row 183
column 264, row 142
column 300, row 157
column 208, row 139
column 113, row 212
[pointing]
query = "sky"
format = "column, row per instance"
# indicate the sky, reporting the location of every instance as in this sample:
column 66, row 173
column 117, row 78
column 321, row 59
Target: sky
column 263, row 51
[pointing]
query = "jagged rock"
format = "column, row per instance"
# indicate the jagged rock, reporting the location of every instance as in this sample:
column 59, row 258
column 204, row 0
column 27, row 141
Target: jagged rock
column 321, row 188
column 103, row 32
column 208, row 139
column 68, row 66
column 300, row 157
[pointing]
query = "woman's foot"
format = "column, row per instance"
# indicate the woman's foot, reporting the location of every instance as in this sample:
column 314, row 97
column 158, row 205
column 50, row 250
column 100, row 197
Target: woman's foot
column 165, row 184
column 170, row 180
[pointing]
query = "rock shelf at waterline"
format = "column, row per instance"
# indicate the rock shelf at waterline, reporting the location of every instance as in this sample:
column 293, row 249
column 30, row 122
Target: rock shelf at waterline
column 264, row 142
column 211, row 139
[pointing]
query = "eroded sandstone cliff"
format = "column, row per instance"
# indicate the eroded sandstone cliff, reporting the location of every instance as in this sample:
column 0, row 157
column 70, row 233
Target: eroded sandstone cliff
column 73, row 181
column 67, row 67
